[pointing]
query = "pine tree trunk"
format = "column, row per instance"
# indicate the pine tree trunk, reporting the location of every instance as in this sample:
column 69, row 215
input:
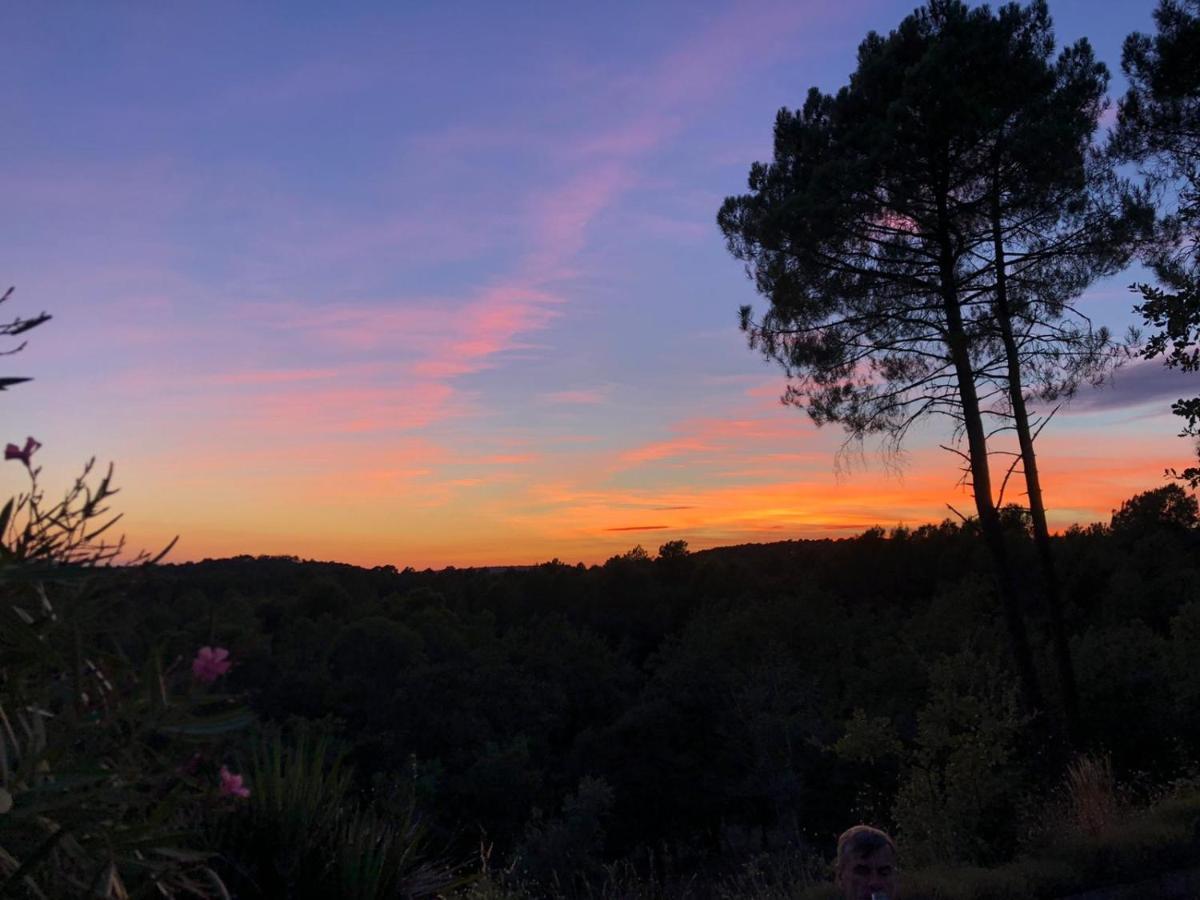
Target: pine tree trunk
column 1033, row 488
column 981, row 482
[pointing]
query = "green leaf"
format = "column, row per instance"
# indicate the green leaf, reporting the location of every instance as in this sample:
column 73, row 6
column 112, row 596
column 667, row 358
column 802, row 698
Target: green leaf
column 218, row 724
column 182, row 855
column 5, row 515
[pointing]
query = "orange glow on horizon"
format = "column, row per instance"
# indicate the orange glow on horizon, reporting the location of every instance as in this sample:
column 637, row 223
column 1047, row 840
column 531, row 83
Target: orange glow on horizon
column 402, row 517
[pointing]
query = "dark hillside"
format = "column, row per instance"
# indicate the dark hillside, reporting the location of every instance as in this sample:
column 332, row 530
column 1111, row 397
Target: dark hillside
column 716, row 702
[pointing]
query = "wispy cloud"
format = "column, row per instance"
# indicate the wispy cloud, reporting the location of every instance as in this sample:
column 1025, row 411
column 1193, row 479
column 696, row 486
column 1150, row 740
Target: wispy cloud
column 664, row 450
column 350, row 410
column 1137, row 385
column 579, row 397
column 268, row 376
column 736, row 437
column 487, row 326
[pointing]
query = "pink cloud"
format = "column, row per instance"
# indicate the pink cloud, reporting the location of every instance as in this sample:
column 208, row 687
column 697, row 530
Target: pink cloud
column 269, row 376
column 561, row 216
column 722, row 438
column 413, row 323
column 772, row 389
column 330, row 452
column 487, row 326
column 435, row 338
column 738, row 511
column 733, row 41
column 582, row 397
column 674, row 90
column 340, row 457
column 636, row 137
column 506, row 459
column 664, row 450
column 351, row 410
column 408, row 469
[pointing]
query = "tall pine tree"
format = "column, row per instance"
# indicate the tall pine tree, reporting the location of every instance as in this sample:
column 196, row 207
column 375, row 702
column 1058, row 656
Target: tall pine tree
column 921, row 236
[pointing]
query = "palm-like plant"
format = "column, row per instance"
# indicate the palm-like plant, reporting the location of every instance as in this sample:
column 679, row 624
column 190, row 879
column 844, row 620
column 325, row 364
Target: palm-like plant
column 302, row 834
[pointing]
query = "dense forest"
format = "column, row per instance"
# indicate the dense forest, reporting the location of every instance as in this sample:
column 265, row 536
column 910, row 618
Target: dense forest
column 729, row 700
column 1020, row 708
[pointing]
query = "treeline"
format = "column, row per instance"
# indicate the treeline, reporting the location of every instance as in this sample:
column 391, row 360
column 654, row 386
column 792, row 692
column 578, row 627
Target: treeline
column 712, row 704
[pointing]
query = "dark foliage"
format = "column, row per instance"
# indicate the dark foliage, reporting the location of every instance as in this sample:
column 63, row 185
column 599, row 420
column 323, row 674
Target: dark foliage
column 921, row 236
column 1158, row 126
column 716, row 702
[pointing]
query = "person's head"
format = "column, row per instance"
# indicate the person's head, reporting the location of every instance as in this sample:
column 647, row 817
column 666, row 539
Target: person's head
column 866, row 863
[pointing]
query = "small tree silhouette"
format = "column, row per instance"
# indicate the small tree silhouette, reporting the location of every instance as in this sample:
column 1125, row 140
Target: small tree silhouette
column 17, row 326
column 72, row 531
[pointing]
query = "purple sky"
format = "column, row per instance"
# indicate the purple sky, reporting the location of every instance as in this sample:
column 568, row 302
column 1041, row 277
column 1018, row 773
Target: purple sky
column 431, row 285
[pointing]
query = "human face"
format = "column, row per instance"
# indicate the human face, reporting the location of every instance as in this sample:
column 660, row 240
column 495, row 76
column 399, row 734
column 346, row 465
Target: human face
column 862, row 876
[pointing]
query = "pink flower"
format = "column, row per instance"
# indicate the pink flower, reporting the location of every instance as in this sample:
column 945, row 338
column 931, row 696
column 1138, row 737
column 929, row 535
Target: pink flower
column 210, row 664
column 232, row 785
column 12, row 451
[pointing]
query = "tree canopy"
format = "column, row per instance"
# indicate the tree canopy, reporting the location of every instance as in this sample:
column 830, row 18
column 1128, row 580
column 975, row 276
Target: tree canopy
column 1158, row 126
column 922, row 233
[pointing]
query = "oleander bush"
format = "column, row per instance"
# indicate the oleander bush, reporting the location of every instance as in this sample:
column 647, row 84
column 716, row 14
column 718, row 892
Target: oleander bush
column 100, row 774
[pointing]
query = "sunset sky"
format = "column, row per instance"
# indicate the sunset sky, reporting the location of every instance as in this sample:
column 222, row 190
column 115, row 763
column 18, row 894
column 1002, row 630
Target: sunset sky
column 432, row 284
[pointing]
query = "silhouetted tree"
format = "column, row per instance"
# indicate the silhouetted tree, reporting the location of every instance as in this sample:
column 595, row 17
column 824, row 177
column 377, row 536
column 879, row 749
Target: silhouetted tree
column 1056, row 225
column 14, row 328
column 1165, row 507
column 866, row 233
column 1158, row 125
column 673, row 550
